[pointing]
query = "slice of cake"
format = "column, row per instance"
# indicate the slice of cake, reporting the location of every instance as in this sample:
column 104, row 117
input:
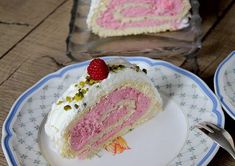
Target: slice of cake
column 129, row 17
column 107, row 102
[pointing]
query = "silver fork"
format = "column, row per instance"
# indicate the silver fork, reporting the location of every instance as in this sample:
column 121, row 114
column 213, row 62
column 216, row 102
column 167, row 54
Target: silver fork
column 219, row 135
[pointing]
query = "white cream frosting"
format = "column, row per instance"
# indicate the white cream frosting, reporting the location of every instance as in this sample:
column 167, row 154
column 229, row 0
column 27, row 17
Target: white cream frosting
column 58, row 119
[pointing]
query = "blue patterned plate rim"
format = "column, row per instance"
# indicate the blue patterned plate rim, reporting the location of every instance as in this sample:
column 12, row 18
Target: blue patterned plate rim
column 217, row 85
column 7, row 126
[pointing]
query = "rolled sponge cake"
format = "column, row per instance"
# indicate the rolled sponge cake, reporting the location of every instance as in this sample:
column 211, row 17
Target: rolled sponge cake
column 130, row 17
column 80, row 126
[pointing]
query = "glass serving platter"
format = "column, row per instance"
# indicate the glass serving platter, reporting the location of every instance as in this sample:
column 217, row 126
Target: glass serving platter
column 82, row 44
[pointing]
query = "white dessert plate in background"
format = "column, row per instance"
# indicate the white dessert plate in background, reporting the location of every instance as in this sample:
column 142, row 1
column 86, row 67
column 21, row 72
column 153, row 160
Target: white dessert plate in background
column 224, row 84
column 168, row 139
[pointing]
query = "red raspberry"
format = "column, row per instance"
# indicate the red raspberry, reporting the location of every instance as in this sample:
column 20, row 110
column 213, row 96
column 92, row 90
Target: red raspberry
column 97, row 69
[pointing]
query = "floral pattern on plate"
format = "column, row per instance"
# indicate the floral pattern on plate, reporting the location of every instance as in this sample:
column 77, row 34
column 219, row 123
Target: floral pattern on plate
column 198, row 103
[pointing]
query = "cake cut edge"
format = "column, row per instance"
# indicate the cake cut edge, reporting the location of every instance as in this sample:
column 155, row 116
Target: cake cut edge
column 155, row 108
column 98, row 6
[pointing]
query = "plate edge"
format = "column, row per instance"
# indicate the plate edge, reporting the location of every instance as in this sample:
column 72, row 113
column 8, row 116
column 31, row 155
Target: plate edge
column 226, row 105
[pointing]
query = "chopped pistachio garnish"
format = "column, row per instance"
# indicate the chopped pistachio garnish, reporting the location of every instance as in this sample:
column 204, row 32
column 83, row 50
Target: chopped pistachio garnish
column 76, row 106
column 145, row 71
column 68, row 99
column 84, row 104
column 137, row 68
column 84, row 90
column 77, row 97
column 82, row 83
column 88, row 78
column 59, row 102
column 67, row 107
column 90, row 81
column 121, row 66
column 115, row 68
column 87, row 82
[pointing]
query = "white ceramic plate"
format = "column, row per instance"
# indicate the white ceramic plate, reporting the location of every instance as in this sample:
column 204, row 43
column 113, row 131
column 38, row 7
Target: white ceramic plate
column 168, row 139
column 224, row 84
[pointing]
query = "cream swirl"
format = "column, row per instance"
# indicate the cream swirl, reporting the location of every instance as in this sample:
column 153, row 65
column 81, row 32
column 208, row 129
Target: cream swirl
column 123, row 14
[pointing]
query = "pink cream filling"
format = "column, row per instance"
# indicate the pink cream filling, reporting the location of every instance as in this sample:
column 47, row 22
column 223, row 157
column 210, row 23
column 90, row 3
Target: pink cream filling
column 139, row 8
column 93, row 122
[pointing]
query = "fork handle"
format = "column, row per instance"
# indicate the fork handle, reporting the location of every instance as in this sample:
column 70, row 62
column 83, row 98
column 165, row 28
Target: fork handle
column 227, row 146
column 232, row 153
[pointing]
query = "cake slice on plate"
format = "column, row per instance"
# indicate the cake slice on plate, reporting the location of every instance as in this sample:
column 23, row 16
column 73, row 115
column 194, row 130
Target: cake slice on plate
column 107, row 102
column 130, row 17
